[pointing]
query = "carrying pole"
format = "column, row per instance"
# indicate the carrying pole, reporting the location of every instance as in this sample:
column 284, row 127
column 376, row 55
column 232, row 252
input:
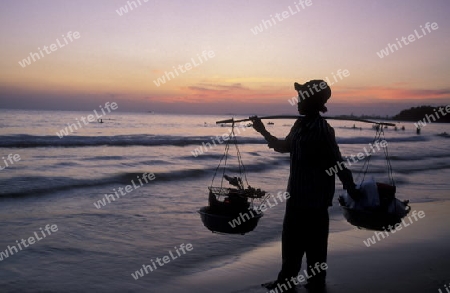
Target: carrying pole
column 302, row 116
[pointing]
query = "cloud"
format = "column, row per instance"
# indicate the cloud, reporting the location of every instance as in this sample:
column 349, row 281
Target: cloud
column 211, row 87
column 376, row 93
column 210, row 96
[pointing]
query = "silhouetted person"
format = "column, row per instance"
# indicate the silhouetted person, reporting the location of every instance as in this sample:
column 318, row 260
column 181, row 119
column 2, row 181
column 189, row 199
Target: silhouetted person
column 418, row 130
column 313, row 149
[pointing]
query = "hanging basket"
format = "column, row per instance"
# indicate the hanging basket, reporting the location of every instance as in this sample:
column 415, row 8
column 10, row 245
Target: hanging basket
column 390, row 212
column 232, row 210
column 229, row 223
column 372, row 220
column 379, row 208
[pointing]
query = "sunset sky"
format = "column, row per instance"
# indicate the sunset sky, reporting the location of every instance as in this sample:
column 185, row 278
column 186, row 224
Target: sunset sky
column 117, row 58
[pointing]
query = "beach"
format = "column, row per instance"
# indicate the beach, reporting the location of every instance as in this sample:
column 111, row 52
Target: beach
column 152, row 148
column 124, row 196
column 414, row 259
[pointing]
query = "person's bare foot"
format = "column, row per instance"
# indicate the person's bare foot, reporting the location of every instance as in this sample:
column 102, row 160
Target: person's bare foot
column 276, row 284
column 316, row 287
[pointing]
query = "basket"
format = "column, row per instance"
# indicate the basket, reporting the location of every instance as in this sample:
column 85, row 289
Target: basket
column 390, row 212
column 372, row 220
column 232, row 210
column 238, row 223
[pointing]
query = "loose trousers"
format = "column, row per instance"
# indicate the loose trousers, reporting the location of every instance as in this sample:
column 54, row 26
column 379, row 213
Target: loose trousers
column 305, row 232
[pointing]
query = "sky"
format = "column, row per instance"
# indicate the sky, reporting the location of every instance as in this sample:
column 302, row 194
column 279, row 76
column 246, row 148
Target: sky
column 219, row 57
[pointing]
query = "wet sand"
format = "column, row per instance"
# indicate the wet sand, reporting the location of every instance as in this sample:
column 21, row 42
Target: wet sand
column 413, row 259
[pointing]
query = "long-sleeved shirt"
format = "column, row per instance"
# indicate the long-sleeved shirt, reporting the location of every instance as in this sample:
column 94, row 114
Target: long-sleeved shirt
column 313, row 149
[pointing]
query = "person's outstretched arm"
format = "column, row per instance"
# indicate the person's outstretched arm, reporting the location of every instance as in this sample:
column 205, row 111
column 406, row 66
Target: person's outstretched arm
column 344, row 174
column 278, row 145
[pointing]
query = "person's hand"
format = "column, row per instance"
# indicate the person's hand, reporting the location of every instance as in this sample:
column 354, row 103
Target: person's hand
column 272, row 144
column 257, row 124
column 354, row 193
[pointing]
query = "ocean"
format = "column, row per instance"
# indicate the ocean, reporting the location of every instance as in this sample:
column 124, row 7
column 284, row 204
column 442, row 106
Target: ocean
column 53, row 187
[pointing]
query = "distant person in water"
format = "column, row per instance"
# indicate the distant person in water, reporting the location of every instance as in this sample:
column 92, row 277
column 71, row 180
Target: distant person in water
column 313, row 149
